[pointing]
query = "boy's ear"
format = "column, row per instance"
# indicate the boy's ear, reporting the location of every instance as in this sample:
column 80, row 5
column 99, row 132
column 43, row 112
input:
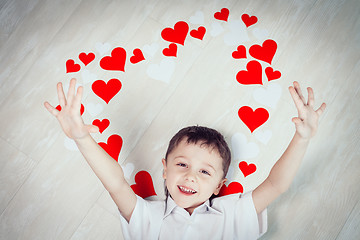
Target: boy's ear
column 164, row 165
column 217, row 190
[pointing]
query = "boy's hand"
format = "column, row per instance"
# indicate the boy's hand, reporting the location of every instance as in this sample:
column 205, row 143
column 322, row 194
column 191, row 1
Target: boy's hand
column 307, row 121
column 69, row 116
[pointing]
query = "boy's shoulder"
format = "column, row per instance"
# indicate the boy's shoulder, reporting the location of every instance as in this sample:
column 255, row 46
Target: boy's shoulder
column 153, row 201
column 151, row 207
column 230, row 200
column 233, row 196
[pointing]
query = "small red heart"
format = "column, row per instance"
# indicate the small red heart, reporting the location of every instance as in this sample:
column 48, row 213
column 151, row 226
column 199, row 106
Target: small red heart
column 249, row 20
column 106, row 91
column 234, row 187
column 113, row 146
column 253, row 119
column 86, row 58
column 143, row 186
column 71, row 66
column 171, row 51
column 199, row 33
column 82, row 109
column 240, row 53
column 265, row 52
column 102, row 125
column 222, row 15
column 138, row 56
column 253, row 74
column 247, row 169
column 177, row 34
column 271, row 74
column 116, row 61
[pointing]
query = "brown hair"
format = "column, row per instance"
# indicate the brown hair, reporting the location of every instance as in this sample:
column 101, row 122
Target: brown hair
column 206, row 136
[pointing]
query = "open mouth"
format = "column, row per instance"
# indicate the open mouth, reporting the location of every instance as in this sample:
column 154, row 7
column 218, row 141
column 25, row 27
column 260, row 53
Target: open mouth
column 187, row 191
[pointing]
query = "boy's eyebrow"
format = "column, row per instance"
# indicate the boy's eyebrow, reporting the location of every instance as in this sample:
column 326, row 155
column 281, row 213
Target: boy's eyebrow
column 211, row 167
column 208, row 164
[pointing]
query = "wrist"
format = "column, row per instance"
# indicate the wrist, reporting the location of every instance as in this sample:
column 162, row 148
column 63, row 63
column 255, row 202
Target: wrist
column 83, row 139
column 301, row 139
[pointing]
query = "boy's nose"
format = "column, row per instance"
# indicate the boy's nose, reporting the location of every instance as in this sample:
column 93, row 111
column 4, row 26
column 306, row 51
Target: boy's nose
column 190, row 176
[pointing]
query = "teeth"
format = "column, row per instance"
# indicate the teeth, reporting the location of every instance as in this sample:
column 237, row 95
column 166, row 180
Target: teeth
column 186, row 190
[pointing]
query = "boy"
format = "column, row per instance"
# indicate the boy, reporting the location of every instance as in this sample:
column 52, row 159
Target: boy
column 195, row 167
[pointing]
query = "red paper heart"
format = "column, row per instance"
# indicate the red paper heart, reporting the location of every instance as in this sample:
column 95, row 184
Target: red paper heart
column 247, row 169
column 240, row 53
column 265, row 52
column 116, row 61
column 138, row 56
column 143, row 186
column 171, row 51
column 222, row 15
column 234, row 187
column 253, row 119
column 199, row 33
column 253, row 75
column 106, row 91
column 113, row 146
column 103, row 124
column 86, row 58
column 71, row 66
column 177, row 34
column 82, row 109
column 249, row 20
column 271, row 74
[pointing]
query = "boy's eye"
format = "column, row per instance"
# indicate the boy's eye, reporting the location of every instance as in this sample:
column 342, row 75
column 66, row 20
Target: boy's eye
column 205, row 172
column 181, row 164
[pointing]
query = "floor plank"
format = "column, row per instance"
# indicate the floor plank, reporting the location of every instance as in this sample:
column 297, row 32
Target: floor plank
column 45, row 177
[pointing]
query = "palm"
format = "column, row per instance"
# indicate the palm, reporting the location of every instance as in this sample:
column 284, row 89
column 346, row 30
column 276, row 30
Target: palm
column 72, row 124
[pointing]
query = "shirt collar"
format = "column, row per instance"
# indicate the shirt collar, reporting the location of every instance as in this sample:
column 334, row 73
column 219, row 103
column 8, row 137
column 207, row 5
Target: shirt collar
column 203, row 208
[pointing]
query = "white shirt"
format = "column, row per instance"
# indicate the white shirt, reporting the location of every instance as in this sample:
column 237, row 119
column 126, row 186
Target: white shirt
column 229, row 217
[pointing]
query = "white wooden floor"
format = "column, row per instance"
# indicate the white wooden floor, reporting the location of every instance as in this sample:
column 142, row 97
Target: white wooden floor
column 47, row 190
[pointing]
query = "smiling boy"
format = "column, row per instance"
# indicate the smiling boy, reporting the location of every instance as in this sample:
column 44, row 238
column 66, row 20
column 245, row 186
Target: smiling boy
column 195, row 167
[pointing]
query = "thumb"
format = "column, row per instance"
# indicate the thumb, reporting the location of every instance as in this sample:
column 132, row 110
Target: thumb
column 92, row 128
column 296, row 120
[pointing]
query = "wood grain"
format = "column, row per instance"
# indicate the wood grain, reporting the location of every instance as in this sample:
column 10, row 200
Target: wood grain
column 49, row 192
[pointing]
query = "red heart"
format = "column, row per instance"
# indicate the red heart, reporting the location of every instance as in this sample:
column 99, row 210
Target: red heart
column 103, row 124
column 82, row 109
column 271, row 74
column 249, row 20
column 240, row 53
column 113, row 146
column 247, row 169
column 265, row 52
column 116, row 61
column 71, row 66
column 143, row 186
column 106, row 91
column 177, row 34
column 86, row 58
column 171, row 50
column 253, row 119
column 253, row 75
column 222, row 15
column 138, row 56
column 234, row 187
column 199, row 33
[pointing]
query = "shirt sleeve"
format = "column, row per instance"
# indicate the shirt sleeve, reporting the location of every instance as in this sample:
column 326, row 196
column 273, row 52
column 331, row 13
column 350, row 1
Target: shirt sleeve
column 257, row 223
column 145, row 221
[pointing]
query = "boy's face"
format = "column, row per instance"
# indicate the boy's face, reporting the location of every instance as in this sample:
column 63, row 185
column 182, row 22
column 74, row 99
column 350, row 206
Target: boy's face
column 193, row 173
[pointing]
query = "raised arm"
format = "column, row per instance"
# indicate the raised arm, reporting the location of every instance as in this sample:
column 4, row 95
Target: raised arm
column 285, row 169
column 104, row 166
